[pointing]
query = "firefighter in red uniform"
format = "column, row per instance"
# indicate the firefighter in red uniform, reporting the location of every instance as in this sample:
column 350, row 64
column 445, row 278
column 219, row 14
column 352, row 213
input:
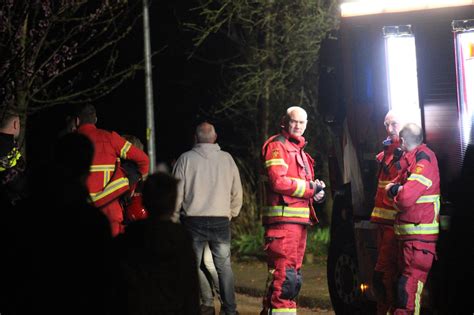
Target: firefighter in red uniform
column 289, row 210
column 383, row 214
column 107, row 182
column 416, row 196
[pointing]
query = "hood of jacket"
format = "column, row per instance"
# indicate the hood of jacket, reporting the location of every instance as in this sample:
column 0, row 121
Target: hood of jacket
column 206, row 150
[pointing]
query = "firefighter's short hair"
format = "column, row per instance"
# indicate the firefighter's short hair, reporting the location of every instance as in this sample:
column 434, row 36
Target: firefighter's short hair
column 86, row 114
column 7, row 114
column 412, row 134
column 285, row 119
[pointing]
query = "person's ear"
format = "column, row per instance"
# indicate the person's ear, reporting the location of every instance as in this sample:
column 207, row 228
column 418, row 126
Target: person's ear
column 16, row 124
column 77, row 122
column 215, row 138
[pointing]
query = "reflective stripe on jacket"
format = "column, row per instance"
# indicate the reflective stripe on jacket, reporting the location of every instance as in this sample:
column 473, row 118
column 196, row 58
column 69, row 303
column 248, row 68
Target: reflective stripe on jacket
column 107, row 181
column 383, row 211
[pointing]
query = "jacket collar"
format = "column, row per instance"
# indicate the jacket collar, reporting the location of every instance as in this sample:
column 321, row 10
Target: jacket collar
column 389, row 145
column 86, row 127
column 299, row 141
column 410, row 155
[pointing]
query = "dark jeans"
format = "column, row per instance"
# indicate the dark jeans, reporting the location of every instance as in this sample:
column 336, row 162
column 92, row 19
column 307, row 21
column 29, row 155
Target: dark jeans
column 216, row 232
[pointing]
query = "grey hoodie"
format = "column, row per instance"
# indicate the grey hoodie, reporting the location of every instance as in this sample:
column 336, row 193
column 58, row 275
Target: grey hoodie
column 209, row 182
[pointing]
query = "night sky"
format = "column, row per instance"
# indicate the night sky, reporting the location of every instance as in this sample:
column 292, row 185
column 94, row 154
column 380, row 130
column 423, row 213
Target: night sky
column 183, row 88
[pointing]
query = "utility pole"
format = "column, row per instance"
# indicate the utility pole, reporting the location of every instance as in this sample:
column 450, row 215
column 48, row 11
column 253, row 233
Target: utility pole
column 150, row 114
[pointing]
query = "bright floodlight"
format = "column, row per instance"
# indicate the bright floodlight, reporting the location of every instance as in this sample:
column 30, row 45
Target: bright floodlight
column 465, row 71
column 365, row 7
column 402, row 77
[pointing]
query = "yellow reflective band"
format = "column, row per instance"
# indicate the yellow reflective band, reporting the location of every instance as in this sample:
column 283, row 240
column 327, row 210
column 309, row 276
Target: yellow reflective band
column 300, row 187
column 274, row 162
column 431, row 199
column 416, row 229
column 12, row 158
column 428, row 199
column 125, row 148
column 419, row 289
column 383, row 213
column 284, row 311
column 282, row 211
column 102, row 168
column 383, row 183
column 421, row 179
column 106, row 177
column 111, row 187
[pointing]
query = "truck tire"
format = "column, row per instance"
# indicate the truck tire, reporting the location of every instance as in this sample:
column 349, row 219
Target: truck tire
column 342, row 275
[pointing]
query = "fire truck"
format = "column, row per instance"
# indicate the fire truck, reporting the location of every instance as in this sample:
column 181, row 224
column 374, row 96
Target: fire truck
column 414, row 56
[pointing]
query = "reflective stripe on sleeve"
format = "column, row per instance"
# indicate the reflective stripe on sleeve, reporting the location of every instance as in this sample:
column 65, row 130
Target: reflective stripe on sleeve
column 12, row 159
column 300, row 188
column 421, row 179
column 274, row 162
column 125, row 148
column 383, row 183
column 383, row 213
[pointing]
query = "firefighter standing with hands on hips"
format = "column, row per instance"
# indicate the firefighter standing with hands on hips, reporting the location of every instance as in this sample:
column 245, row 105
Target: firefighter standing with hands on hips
column 383, row 215
column 289, row 210
column 416, row 196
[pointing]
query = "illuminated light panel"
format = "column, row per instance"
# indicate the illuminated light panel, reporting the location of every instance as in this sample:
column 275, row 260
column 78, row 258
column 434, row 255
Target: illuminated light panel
column 367, row 7
column 402, row 79
column 465, row 72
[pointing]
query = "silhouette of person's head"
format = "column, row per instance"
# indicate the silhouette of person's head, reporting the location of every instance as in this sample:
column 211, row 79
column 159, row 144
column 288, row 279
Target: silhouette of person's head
column 73, row 155
column 85, row 114
column 134, row 140
column 159, row 195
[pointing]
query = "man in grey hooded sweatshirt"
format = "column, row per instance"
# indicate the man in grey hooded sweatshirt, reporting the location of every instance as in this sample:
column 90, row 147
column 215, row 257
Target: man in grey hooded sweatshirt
column 209, row 196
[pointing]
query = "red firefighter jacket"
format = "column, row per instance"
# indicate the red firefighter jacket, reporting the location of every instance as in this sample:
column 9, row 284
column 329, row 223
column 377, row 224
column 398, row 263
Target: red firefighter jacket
column 419, row 200
column 385, row 212
column 289, row 189
column 107, row 181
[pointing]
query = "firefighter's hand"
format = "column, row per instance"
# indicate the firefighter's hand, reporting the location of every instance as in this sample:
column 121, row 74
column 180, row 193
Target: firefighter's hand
column 319, row 196
column 320, row 185
column 393, row 189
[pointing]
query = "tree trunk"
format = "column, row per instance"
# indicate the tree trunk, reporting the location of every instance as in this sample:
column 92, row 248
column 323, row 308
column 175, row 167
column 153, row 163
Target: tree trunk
column 264, row 109
column 21, row 97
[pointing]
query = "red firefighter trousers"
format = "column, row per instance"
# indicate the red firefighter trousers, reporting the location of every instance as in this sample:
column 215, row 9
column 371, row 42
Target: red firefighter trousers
column 285, row 246
column 415, row 260
column 386, row 266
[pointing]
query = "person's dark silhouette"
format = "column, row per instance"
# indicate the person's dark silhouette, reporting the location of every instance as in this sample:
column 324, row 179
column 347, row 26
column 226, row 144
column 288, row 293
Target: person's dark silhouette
column 156, row 262
column 457, row 272
column 65, row 243
column 13, row 191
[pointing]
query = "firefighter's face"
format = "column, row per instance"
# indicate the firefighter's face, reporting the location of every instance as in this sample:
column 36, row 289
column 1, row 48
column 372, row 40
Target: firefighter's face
column 392, row 125
column 297, row 122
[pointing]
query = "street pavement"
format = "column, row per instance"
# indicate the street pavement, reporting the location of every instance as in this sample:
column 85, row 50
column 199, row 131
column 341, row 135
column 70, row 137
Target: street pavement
column 249, row 305
column 250, row 278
